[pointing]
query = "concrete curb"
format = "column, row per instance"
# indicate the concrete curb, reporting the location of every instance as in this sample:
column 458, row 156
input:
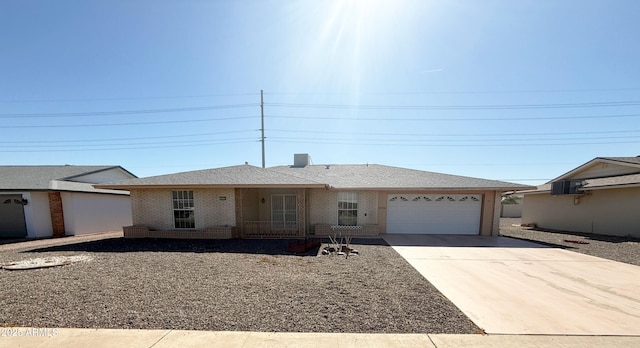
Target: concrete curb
column 97, row 338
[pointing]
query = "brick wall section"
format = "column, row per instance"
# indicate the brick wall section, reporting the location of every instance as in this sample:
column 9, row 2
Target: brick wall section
column 154, row 208
column 57, row 214
column 220, row 232
column 211, row 211
column 367, row 204
column 323, row 207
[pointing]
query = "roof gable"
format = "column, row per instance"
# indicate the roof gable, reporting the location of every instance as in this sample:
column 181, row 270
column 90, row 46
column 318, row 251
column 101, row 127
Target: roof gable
column 40, row 177
column 600, row 173
column 102, row 175
column 602, row 167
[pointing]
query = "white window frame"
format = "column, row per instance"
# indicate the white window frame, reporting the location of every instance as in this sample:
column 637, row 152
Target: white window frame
column 284, row 211
column 347, row 205
column 183, row 203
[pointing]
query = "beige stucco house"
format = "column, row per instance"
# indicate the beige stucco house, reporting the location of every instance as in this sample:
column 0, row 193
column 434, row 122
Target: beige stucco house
column 601, row 196
column 303, row 199
column 46, row 201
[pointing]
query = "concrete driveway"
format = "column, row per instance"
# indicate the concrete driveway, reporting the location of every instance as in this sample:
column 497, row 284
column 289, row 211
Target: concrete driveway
column 508, row 286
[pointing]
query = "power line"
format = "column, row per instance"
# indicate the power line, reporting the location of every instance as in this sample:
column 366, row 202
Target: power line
column 454, row 145
column 193, row 96
column 128, row 123
column 452, row 134
column 455, row 118
column 474, row 92
column 192, row 142
column 125, row 98
column 196, row 142
column 129, row 148
column 134, row 138
column 126, row 112
column 457, row 107
column 452, row 140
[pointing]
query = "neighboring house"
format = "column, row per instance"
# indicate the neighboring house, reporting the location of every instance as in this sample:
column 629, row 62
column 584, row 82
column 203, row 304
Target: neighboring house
column 601, row 196
column 295, row 201
column 45, row 201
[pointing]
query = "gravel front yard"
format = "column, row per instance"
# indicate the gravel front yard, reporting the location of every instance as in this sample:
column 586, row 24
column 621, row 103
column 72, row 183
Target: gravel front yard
column 237, row 285
column 622, row 249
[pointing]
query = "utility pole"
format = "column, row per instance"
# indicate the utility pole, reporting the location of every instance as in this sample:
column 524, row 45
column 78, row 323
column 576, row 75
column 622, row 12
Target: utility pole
column 262, row 123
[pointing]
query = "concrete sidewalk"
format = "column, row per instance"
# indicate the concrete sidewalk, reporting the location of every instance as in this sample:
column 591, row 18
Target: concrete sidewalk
column 98, row 338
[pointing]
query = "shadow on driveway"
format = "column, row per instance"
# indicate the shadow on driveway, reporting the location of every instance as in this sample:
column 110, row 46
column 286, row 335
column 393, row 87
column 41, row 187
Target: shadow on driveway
column 551, row 245
column 591, row 236
column 462, row 241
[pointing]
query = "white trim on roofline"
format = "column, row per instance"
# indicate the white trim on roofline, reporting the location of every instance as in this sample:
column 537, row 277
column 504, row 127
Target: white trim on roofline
column 591, row 162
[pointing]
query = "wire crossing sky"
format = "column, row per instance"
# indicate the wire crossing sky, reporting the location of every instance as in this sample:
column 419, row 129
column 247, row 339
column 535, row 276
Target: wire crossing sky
column 521, row 91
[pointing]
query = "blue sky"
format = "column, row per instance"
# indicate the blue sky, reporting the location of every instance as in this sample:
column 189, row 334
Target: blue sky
column 521, row 91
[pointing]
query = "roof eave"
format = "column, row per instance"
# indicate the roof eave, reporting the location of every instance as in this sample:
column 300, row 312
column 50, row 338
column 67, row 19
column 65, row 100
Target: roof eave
column 533, row 192
column 612, row 186
column 502, row 189
column 585, row 188
column 163, row 186
column 593, row 161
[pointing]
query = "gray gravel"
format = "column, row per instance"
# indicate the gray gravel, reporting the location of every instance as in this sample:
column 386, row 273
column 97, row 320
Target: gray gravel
column 250, row 285
column 622, row 249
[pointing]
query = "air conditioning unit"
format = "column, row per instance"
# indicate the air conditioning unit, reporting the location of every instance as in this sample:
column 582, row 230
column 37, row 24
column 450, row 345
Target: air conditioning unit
column 567, row 187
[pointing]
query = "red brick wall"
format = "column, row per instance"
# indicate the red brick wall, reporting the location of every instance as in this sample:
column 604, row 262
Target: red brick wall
column 57, row 215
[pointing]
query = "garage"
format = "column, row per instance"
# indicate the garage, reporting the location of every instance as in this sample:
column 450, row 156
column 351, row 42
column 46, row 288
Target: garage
column 434, row 213
column 12, row 222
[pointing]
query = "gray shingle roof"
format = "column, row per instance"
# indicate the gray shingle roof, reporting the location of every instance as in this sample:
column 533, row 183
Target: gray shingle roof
column 363, row 176
column 39, row 177
column 597, row 183
column 630, row 179
column 236, row 176
column 374, row 176
column 631, row 160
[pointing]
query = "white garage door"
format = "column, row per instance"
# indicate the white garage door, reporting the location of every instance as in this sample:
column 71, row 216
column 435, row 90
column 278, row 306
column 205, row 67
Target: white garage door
column 434, row 214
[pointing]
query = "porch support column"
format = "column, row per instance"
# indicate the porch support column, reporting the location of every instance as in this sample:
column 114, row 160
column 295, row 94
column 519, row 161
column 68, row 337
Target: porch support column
column 302, row 221
column 239, row 220
column 497, row 206
column 57, row 214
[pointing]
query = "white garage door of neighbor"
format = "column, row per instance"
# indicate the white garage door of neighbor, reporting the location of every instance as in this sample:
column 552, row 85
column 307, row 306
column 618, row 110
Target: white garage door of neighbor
column 433, row 214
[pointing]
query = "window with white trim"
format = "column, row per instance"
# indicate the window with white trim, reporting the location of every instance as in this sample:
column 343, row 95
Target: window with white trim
column 284, row 214
column 347, row 208
column 183, row 209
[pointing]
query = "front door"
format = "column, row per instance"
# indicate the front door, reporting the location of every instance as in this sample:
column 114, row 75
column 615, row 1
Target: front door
column 12, row 217
column 284, row 215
